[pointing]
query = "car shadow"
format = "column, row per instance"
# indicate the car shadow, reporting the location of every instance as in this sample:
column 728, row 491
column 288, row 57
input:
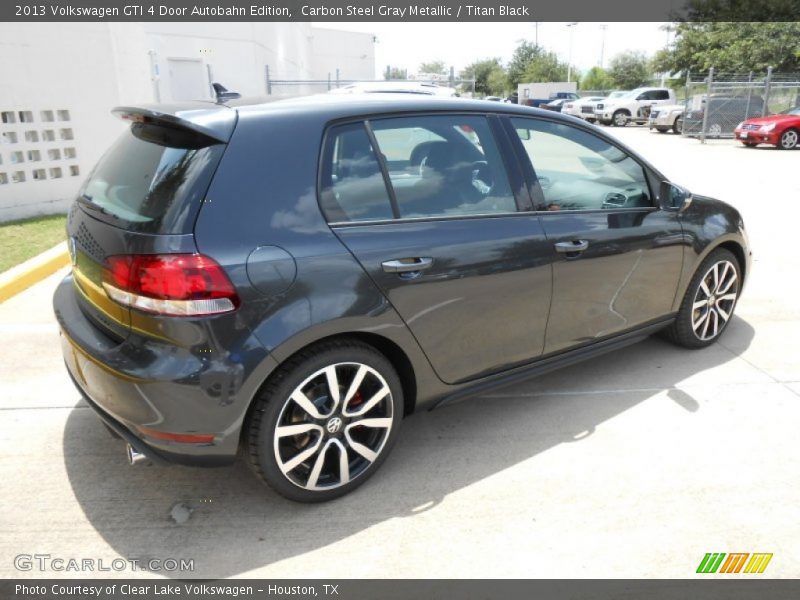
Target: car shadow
column 230, row 523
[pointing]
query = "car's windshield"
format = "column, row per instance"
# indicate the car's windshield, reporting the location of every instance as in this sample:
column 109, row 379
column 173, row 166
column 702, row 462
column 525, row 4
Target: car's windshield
column 792, row 111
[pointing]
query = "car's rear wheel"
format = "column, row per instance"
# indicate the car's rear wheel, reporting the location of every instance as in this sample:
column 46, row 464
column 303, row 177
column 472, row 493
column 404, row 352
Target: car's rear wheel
column 789, row 139
column 709, row 301
column 621, row 118
column 326, row 421
column 714, row 130
column 677, row 127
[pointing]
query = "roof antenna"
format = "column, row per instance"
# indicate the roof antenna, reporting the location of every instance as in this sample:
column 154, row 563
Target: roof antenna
column 222, row 93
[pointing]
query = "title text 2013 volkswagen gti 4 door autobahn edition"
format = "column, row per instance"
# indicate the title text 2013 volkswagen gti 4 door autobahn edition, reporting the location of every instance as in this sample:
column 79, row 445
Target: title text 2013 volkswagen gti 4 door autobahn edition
column 289, row 280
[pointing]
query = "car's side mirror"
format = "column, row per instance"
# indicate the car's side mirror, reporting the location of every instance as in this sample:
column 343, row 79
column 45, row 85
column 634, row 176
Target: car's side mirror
column 675, row 197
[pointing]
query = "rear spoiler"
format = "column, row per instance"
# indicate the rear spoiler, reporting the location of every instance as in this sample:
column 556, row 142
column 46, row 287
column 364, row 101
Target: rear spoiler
column 209, row 120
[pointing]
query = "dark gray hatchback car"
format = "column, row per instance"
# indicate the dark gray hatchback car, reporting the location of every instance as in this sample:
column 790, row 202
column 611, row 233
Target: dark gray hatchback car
column 287, row 281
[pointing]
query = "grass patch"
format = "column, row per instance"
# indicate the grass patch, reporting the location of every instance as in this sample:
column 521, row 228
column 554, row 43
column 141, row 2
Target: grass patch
column 24, row 239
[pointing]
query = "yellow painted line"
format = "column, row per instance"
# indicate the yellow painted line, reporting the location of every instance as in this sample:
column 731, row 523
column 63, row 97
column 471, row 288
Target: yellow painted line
column 32, row 271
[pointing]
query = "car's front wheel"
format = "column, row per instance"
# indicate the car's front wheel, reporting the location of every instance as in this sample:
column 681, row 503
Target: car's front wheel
column 326, row 421
column 789, row 139
column 677, row 127
column 709, row 301
column 621, row 118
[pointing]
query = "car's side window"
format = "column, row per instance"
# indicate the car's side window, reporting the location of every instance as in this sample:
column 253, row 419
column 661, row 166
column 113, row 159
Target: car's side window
column 444, row 165
column 352, row 186
column 577, row 170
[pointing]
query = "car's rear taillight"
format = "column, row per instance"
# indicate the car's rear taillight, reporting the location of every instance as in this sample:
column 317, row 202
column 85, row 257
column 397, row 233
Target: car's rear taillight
column 169, row 284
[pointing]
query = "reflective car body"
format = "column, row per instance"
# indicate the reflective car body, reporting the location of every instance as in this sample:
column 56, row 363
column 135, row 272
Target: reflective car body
column 772, row 130
column 502, row 299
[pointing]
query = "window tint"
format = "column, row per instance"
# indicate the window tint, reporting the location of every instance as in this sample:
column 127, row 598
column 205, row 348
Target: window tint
column 579, row 171
column 153, row 178
column 352, row 184
column 660, row 95
column 444, row 165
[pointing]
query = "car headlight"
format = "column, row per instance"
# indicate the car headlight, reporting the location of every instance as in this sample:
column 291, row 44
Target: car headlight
column 740, row 125
column 768, row 127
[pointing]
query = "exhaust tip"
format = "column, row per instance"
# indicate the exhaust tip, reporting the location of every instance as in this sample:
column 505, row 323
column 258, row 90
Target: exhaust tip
column 135, row 458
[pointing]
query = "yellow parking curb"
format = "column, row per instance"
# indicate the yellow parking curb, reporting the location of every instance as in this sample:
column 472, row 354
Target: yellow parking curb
column 23, row 276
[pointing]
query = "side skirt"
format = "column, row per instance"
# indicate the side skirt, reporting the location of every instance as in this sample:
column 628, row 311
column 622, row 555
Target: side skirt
column 552, row 363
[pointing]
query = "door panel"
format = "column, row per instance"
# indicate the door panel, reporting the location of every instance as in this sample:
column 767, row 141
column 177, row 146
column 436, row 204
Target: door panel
column 481, row 306
column 616, row 257
column 627, row 275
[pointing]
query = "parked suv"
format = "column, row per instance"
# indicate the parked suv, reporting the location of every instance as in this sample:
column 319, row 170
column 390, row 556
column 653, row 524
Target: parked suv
column 634, row 107
column 287, row 281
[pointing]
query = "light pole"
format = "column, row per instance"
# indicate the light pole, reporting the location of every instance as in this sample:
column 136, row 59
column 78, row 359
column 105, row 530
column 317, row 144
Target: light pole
column 569, row 59
column 602, row 43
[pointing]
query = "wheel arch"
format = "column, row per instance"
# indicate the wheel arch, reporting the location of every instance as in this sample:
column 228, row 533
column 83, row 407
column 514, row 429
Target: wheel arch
column 737, row 250
column 389, row 349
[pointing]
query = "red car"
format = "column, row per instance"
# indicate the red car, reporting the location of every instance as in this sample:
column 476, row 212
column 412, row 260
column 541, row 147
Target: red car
column 781, row 130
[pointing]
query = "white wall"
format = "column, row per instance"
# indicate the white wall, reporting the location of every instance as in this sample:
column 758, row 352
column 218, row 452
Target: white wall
column 352, row 53
column 88, row 68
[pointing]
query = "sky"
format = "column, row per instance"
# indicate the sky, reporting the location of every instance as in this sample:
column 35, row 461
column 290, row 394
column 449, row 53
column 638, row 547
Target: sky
column 406, row 45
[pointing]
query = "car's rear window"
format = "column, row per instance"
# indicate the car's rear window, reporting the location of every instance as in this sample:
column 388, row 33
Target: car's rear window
column 152, row 179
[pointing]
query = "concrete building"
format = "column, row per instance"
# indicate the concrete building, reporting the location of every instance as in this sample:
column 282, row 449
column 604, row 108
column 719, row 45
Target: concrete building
column 58, row 82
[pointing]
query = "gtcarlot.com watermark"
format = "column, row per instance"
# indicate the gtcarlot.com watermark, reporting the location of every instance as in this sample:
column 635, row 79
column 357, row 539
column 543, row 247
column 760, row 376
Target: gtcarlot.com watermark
column 58, row 564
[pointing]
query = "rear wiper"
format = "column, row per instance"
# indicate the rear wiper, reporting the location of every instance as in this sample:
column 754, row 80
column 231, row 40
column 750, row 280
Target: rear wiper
column 87, row 202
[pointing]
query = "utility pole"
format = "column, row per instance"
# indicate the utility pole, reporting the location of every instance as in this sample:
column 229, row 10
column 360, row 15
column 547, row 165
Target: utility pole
column 602, row 43
column 569, row 59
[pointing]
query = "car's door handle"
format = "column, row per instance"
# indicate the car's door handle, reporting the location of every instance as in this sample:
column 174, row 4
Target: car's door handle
column 407, row 265
column 573, row 247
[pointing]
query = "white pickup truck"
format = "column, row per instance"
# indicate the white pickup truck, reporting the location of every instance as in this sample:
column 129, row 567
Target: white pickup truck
column 632, row 107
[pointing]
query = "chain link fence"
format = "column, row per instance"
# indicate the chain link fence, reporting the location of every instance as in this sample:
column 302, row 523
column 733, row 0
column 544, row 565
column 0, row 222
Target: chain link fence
column 717, row 102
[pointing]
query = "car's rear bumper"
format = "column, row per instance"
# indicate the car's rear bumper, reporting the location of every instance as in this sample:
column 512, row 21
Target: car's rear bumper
column 154, row 394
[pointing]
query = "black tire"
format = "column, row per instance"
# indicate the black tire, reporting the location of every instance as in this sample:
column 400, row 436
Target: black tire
column 274, row 400
column 789, row 139
column 682, row 332
column 617, row 118
column 677, row 127
column 662, row 129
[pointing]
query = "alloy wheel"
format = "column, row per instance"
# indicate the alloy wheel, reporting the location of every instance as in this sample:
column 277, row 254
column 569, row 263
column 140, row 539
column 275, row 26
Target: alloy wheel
column 620, row 119
column 789, row 139
column 714, row 300
column 715, row 130
column 333, row 426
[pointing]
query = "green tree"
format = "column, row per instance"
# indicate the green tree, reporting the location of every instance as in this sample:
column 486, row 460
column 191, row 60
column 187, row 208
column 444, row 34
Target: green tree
column 630, row 70
column 732, row 47
column 533, row 63
column 395, row 73
column 597, row 78
column 434, row 67
column 497, row 82
column 490, row 77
